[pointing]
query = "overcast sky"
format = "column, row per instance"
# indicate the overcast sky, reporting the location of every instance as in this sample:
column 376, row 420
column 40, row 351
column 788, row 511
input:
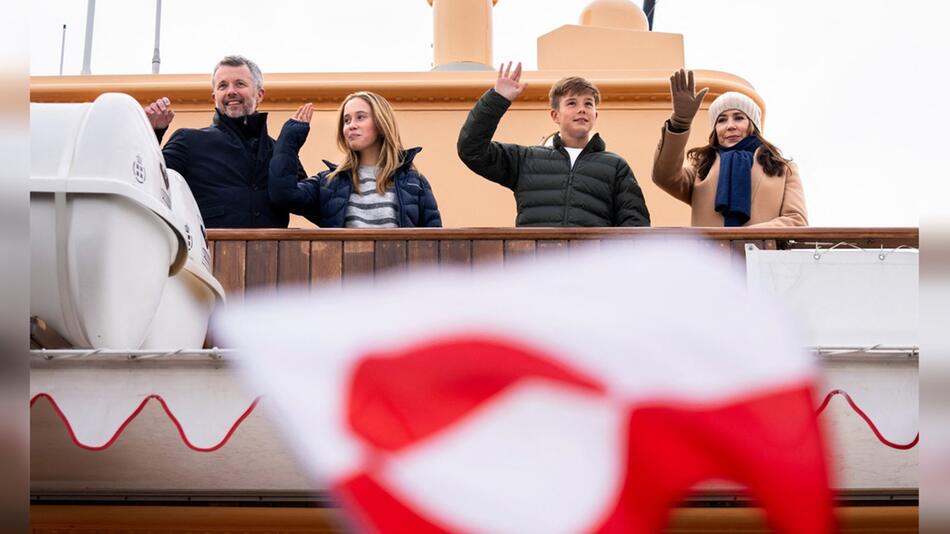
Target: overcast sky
column 850, row 85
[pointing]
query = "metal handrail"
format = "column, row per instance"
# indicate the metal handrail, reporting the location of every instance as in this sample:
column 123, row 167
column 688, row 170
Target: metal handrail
column 830, row 352
column 821, row 351
column 131, row 355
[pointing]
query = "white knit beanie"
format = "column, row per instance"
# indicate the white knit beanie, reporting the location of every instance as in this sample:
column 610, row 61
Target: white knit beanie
column 734, row 100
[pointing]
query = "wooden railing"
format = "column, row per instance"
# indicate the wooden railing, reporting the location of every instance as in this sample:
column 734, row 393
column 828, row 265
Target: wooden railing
column 273, row 260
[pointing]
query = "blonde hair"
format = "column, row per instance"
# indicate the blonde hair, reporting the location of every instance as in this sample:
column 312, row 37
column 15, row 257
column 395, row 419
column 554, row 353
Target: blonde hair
column 390, row 151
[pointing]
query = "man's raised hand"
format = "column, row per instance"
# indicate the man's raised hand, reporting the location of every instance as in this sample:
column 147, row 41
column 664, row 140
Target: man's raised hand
column 509, row 83
column 160, row 113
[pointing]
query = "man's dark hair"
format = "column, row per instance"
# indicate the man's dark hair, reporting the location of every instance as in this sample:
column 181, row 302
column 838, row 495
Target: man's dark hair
column 238, row 61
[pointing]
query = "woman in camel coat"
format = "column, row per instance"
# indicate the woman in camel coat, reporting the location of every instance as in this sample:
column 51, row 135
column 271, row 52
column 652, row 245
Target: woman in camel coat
column 739, row 178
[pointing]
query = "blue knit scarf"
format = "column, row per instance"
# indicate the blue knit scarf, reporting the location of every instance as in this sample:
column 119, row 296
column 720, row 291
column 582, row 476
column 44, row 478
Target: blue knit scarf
column 734, row 192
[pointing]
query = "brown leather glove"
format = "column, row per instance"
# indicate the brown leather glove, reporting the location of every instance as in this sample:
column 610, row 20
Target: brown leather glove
column 685, row 99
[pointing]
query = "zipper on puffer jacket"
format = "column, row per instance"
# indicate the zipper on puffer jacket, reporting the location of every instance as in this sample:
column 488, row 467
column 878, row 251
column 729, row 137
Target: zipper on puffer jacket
column 570, row 177
column 402, row 211
column 570, row 182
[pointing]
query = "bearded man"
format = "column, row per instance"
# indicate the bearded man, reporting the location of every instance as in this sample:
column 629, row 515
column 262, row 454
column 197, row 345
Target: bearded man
column 226, row 163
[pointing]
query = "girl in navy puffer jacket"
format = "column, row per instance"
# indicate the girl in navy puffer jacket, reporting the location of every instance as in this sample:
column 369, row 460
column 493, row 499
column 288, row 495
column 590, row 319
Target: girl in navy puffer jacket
column 376, row 186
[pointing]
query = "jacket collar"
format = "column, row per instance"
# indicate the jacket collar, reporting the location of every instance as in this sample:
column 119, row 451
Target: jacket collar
column 253, row 125
column 407, row 157
column 596, row 144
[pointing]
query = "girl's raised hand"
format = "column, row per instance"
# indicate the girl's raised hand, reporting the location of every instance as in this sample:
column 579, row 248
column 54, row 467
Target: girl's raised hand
column 509, row 83
column 304, row 113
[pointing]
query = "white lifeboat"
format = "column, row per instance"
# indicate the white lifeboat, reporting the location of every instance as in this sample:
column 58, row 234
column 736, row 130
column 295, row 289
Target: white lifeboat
column 191, row 295
column 103, row 237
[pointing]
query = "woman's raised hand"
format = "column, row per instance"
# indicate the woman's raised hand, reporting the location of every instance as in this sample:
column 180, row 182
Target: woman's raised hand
column 685, row 99
column 509, row 83
column 304, row 113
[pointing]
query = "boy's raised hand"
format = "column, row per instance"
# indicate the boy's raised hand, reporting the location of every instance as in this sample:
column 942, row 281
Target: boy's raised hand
column 304, row 113
column 685, row 99
column 509, row 83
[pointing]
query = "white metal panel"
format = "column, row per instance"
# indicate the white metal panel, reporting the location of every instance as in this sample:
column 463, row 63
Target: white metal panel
column 843, row 296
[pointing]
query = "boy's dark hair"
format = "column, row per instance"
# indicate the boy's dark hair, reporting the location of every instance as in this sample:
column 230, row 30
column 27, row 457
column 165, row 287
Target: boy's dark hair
column 572, row 85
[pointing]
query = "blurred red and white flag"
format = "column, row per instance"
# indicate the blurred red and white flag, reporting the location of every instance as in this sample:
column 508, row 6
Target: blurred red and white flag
column 563, row 395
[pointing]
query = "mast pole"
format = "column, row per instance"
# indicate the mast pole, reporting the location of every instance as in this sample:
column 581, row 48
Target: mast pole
column 156, row 58
column 87, row 51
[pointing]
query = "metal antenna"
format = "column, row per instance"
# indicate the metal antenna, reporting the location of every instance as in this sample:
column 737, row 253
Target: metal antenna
column 62, row 51
column 156, row 58
column 87, row 52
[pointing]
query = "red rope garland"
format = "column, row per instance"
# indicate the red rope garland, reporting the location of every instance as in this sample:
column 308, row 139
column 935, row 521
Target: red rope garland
column 115, row 436
column 181, row 431
column 871, row 425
